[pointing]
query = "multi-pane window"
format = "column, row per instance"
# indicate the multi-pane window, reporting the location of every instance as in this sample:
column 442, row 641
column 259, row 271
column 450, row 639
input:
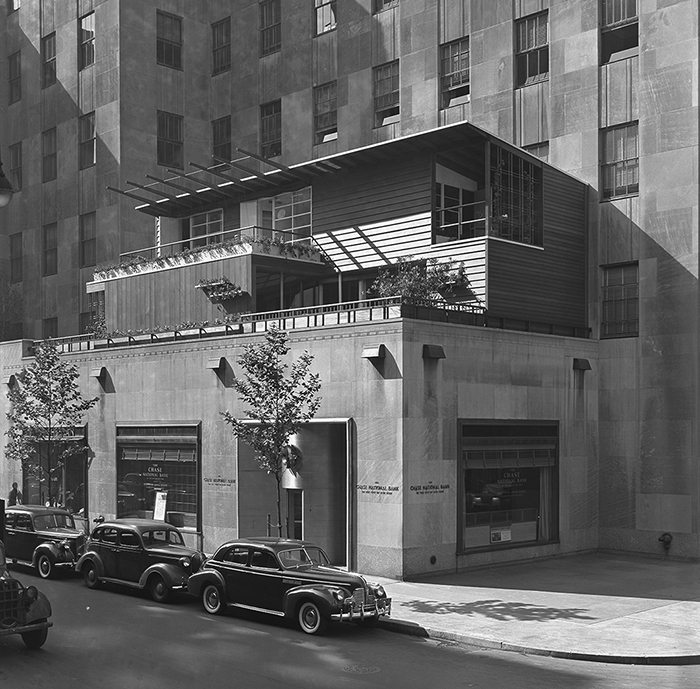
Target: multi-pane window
column 271, row 129
column 15, row 69
column 170, row 140
column 205, row 228
column 292, row 213
column 620, row 35
column 86, row 41
column 86, row 140
column 16, row 257
column 221, row 46
column 620, row 171
column 454, row 72
column 381, row 5
column 169, row 40
column 50, row 262
column 458, row 214
column 270, row 26
column 619, row 11
column 91, row 318
column 620, row 300
column 326, row 112
column 48, row 60
column 50, row 328
column 386, row 94
column 221, row 138
column 16, row 166
column 325, row 15
column 48, row 148
column 88, row 243
column 532, row 50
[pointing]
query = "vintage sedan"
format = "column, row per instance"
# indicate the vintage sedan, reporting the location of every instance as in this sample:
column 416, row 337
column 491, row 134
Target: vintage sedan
column 288, row 578
column 139, row 553
column 23, row 609
column 43, row 537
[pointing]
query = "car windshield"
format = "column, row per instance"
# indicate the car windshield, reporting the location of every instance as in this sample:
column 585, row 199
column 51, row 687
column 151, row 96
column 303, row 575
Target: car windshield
column 48, row 522
column 160, row 537
column 303, row 557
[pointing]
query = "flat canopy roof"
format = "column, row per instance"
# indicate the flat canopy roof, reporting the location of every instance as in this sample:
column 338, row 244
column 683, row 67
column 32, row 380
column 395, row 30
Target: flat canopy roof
column 183, row 194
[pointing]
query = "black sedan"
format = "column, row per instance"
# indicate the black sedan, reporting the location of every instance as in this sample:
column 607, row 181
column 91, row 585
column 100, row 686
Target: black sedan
column 139, row 553
column 287, row 578
column 42, row 537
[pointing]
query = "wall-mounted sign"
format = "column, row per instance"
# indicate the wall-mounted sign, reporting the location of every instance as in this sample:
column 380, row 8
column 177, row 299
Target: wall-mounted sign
column 377, row 489
column 429, row 488
column 159, row 506
column 501, row 535
column 219, row 482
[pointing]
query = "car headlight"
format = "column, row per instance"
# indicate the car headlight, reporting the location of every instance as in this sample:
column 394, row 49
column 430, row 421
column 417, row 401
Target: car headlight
column 186, row 562
column 339, row 596
column 379, row 591
column 30, row 595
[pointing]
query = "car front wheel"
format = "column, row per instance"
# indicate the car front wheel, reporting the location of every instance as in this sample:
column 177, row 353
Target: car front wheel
column 44, row 566
column 36, row 638
column 310, row 619
column 90, row 577
column 212, row 599
column 158, row 589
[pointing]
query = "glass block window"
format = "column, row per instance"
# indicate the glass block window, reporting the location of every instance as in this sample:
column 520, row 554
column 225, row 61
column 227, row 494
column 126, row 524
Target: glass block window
column 221, row 138
column 454, row 72
column 221, row 46
column 270, row 27
column 49, row 160
column 169, row 40
column 325, row 15
column 88, row 242
column 532, row 50
column 50, row 250
column 386, row 94
column 170, row 140
column 620, row 173
column 16, row 257
column 271, row 129
column 15, row 72
column 48, row 60
column 86, row 141
column 620, row 301
column 16, row 166
column 86, row 41
column 326, row 112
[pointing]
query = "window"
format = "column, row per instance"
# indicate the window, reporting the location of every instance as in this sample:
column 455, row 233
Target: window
column 221, row 46
column 169, row 40
column 15, row 67
column 292, row 213
column 86, row 140
column 16, row 257
column 170, row 140
column 620, row 317
column 12, row 6
column 386, row 94
column 270, row 27
column 91, row 319
column 454, row 73
column 326, row 113
column 325, row 15
column 221, row 138
column 264, row 560
column 48, row 60
column 48, row 144
column 208, row 226
column 620, row 35
column 532, row 50
column 459, row 215
column 129, row 539
column 50, row 263
column 16, row 166
column 381, row 5
column 271, row 129
column 620, row 161
column 516, row 198
column 49, row 328
column 237, row 555
column 87, row 240
column 86, row 41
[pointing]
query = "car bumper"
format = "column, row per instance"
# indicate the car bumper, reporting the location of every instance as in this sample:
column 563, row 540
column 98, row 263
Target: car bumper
column 24, row 628
column 372, row 611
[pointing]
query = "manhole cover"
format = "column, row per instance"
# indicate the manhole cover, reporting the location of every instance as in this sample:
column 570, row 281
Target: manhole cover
column 361, row 669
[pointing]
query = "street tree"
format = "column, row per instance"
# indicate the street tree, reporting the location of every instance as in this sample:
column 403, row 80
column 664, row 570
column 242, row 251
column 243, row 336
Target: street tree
column 46, row 406
column 279, row 398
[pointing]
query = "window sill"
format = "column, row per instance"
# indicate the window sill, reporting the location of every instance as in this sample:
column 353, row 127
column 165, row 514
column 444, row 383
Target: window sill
column 607, row 199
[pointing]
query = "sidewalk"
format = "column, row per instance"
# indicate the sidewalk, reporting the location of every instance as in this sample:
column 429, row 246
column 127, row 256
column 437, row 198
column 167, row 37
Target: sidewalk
column 595, row 606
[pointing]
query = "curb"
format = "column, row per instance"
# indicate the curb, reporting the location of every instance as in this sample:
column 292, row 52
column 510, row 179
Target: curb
column 414, row 629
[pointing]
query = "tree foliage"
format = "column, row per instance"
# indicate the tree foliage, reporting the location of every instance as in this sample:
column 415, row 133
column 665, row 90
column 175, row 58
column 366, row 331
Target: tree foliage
column 46, row 406
column 279, row 398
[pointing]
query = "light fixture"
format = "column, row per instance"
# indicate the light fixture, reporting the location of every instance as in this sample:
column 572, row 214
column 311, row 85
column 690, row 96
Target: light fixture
column 6, row 190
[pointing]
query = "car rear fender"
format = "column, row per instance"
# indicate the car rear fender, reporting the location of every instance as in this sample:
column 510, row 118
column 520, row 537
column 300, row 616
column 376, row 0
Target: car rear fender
column 200, row 579
column 90, row 557
column 172, row 575
column 323, row 596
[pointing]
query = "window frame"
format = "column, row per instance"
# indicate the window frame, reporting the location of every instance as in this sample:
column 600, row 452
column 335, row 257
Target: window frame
column 169, row 43
column 453, row 84
column 221, row 138
column 48, row 60
column 383, row 5
column 387, row 101
column 49, row 263
column 323, row 10
column 325, row 112
column 170, row 150
column 620, row 7
column 14, row 66
column 271, row 129
column 622, row 298
column 87, row 229
column 531, row 56
column 86, row 41
column 49, row 155
column 611, row 166
column 87, row 141
column 209, row 219
column 221, row 52
column 15, row 166
column 270, row 27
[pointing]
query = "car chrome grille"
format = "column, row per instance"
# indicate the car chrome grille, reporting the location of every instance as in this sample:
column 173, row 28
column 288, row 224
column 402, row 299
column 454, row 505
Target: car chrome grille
column 11, row 608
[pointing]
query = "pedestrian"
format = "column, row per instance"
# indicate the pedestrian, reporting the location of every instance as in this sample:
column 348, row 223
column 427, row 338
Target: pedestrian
column 15, row 497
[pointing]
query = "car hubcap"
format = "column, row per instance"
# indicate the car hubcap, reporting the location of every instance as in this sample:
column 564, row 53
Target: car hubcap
column 44, row 566
column 212, row 599
column 310, row 618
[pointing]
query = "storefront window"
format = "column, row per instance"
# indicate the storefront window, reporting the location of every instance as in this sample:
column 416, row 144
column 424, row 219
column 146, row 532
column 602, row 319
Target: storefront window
column 509, row 484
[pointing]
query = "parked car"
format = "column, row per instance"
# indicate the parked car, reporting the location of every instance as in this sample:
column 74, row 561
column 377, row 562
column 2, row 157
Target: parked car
column 42, row 537
column 140, row 553
column 289, row 578
column 23, row 609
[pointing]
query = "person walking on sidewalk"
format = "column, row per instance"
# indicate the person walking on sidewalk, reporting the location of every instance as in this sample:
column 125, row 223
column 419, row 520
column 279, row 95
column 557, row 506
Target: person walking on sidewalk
column 15, row 497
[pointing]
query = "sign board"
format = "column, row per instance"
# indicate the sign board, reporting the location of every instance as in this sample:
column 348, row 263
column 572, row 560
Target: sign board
column 500, row 535
column 159, row 507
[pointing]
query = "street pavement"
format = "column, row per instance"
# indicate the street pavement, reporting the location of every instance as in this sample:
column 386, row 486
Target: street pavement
column 603, row 607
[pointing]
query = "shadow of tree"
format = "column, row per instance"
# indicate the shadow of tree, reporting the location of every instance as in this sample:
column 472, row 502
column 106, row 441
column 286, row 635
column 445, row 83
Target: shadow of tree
column 498, row 610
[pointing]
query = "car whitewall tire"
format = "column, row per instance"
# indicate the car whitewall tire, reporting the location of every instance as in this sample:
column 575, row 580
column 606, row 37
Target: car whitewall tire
column 212, row 599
